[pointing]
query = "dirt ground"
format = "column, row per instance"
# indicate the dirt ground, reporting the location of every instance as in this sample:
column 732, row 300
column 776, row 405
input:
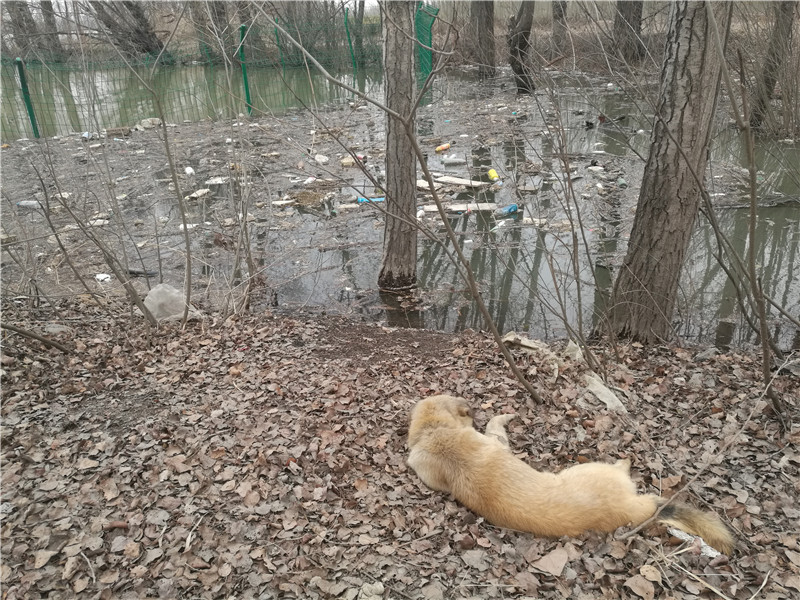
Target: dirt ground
column 263, row 457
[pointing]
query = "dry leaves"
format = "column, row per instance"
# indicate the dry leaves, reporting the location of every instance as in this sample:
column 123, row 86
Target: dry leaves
column 265, row 457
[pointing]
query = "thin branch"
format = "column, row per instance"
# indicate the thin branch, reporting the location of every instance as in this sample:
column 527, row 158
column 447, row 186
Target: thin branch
column 35, row 336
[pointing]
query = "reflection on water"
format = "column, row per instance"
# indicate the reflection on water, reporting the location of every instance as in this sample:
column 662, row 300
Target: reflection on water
column 525, row 272
column 71, row 100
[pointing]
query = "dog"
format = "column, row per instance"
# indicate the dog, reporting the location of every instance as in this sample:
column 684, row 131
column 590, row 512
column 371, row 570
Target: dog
column 449, row 455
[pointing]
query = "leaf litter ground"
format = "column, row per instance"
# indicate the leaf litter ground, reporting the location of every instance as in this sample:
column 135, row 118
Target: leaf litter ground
column 264, row 457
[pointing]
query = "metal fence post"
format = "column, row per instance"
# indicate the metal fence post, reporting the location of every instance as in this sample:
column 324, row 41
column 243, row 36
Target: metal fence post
column 242, row 34
column 26, row 95
column 280, row 50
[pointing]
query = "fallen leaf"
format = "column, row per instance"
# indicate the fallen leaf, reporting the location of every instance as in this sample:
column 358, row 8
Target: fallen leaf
column 41, row 558
column 86, row 463
column 650, row 573
column 641, row 587
column 553, row 562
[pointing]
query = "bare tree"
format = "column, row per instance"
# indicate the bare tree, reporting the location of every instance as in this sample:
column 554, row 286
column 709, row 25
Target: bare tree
column 50, row 34
column 519, row 45
column 779, row 46
column 128, row 26
column 482, row 17
column 22, row 26
column 628, row 30
column 647, row 285
column 399, row 265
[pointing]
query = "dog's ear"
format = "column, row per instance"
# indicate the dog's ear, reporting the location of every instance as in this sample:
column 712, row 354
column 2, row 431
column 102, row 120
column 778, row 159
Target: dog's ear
column 464, row 411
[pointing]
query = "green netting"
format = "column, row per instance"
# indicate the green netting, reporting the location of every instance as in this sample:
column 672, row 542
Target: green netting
column 197, row 82
column 423, row 23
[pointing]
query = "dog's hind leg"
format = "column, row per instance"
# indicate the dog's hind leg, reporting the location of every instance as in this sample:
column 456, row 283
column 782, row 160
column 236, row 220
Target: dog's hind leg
column 496, row 427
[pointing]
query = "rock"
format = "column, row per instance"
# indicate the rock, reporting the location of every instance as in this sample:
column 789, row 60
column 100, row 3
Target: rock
column 150, row 123
column 167, row 304
column 347, row 161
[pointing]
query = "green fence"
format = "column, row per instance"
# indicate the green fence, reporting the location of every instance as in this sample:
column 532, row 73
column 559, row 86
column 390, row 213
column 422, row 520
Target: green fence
column 266, row 74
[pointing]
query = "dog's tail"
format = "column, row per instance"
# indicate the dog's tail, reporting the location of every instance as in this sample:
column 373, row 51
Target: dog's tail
column 698, row 522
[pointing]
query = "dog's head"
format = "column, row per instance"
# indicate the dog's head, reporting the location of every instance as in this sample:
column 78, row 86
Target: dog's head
column 443, row 411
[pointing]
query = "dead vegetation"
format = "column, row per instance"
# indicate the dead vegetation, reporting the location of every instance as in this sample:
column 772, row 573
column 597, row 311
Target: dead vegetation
column 263, row 457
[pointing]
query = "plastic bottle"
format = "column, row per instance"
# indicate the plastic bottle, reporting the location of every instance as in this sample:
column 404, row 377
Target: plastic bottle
column 506, row 210
column 443, row 147
column 493, row 175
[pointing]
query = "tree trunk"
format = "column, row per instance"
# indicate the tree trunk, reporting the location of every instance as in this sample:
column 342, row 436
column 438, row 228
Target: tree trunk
column 128, row 26
column 519, row 44
column 646, row 288
column 779, row 47
column 399, row 265
column 358, row 32
column 628, row 30
column 23, row 27
column 142, row 32
column 482, row 16
column 559, row 27
column 51, row 31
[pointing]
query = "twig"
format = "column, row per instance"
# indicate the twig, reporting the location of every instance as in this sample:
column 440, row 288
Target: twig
column 763, row 583
column 91, row 569
column 189, row 536
column 35, row 336
column 714, row 589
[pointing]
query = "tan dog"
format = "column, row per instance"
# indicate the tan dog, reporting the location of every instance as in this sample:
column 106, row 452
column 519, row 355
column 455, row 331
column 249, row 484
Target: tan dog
column 449, row 455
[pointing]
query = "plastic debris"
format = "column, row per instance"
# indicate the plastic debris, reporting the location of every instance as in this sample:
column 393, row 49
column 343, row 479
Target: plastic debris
column 189, row 171
column 321, row 159
column 506, row 211
column 443, row 148
column 29, row 204
column 103, row 277
column 198, row 194
column 493, row 175
column 363, row 200
column 309, row 181
column 595, row 385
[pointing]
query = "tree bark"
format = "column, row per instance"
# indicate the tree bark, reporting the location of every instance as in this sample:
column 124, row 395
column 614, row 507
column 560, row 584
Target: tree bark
column 519, row 44
column 779, row 47
column 482, row 16
column 628, row 30
column 559, row 27
column 358, row 32
column 51, row 30
column 646, row 289
column 399, row 265
column 128, row 26
column 22, row 26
